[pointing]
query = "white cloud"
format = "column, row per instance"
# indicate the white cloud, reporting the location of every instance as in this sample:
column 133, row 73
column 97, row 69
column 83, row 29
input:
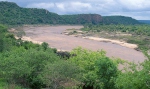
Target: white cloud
column 135, row 4
column 73, row 7
column 60, row 6
column 41, row 5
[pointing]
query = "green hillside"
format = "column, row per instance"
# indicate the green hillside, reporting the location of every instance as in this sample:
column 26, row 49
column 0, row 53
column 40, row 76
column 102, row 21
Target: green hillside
column 11, row 13
column 144, row 21
column 119, row 20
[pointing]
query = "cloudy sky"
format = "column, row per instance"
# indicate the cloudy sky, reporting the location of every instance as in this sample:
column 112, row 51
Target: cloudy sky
column 138, row 9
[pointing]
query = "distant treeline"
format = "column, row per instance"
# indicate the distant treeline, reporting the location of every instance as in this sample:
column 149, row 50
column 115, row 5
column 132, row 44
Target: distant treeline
column 119, row 20
column 144, row 21
column 12, row 14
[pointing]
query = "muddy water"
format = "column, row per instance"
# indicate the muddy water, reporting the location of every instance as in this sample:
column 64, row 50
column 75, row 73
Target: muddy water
column 52, row 35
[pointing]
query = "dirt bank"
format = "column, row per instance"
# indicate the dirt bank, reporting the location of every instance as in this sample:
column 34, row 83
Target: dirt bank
column 52, row 35
column 122, row 43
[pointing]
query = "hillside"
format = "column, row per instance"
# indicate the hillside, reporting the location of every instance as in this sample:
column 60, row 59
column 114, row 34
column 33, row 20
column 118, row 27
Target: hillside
column 119, row 20
column 82, row 18
column 144, row 21
column 12, row 14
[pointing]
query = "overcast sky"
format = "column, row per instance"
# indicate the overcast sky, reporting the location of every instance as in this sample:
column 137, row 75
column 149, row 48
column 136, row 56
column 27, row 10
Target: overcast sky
column 138, row 9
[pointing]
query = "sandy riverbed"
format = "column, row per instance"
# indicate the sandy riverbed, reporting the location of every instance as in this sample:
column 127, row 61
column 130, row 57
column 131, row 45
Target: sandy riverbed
column 52, row 35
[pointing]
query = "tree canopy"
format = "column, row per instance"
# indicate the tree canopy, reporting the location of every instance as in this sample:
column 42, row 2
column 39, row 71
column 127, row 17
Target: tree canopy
column 12, row 14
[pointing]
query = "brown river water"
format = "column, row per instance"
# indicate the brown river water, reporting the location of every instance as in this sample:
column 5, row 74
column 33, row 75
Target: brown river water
column 52, row 35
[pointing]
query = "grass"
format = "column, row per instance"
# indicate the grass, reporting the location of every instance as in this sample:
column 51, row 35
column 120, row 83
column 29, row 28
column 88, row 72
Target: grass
column 136, row 34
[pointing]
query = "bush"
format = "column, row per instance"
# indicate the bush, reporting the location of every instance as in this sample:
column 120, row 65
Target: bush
column 61, row 74
column 23, row 66
column 98, row 71
column 134, row 77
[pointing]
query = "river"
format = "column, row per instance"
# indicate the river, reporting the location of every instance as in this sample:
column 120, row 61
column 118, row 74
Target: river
column 52, row 35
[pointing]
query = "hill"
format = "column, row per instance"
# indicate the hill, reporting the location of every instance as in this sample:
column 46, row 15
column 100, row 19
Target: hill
column 82, row 18
column 12, row 14
column 144, row 21
column 119, row 20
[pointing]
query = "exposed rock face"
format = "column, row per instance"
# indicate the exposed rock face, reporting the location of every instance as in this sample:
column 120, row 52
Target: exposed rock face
column 82, row 18
column 89, row 18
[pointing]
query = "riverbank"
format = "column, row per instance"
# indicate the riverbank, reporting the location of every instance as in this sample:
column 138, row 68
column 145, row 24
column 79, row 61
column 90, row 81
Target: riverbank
column 54, row 36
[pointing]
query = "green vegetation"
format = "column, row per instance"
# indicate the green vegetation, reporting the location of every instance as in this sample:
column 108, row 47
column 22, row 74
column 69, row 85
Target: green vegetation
column 24, row 65
column 144, row 21
column 12, row 14
column 136, row 34
column 98, row 71
column 119, row 20
column 135, row 76
column 32, row 66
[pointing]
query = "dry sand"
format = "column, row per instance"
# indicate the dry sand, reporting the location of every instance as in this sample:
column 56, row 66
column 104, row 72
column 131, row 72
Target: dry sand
column 122, row 43
column 25, row 38
column 52, row 35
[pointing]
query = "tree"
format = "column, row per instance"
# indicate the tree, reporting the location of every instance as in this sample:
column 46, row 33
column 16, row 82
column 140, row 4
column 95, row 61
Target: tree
column 1, row 45
column 61, row 74
column 107, row 72
column 135, row 76
column 3, row 30
column 97, row 70
column 45, row 45
column 23, row 66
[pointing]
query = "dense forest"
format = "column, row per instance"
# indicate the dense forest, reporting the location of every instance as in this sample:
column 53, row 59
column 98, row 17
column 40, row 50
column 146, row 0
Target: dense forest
column 144, row 21
column 119, row 20
column 33, row 66
column 12, row 14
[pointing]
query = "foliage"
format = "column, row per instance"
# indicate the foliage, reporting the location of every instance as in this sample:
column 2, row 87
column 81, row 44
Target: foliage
column 107, row 72
column 12, row 14
column 44, row 45
column 22, row 63
column 3, row 29
column 98, row 70
column 144, row 21
column 61, row 74
column 6, row 39
column 139, row 34
column 27, row 65
column 135, row 76
column 119, row 20
column 23, row 66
